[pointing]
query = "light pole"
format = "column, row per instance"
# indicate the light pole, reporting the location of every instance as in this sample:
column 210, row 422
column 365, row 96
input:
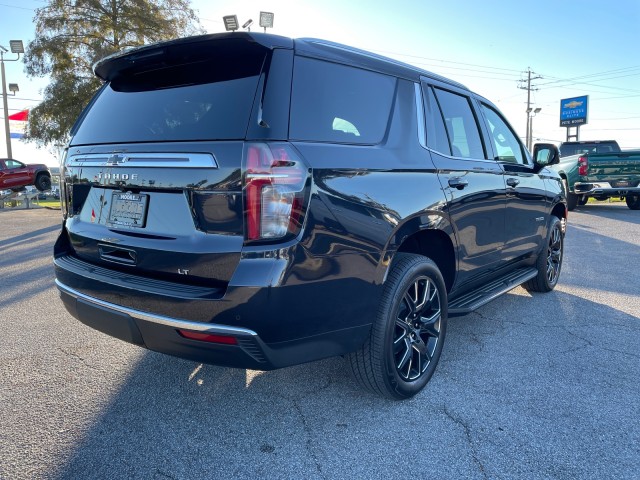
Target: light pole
column 527, row 129
column 530, row 132
column 16, row 46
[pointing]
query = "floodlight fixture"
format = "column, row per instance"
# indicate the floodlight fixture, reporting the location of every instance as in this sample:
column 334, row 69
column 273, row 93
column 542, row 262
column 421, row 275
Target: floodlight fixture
column 13, row 88
column 248, row 24
column 531, row 113
column 230, row 23
column 266, row 20
column 16, row 46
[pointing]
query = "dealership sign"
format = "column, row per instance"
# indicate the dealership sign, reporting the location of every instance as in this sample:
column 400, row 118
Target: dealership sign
column 573, row 111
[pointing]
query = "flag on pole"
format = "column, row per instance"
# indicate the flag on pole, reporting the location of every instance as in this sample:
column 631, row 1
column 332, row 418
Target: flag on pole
column 20, row 119
column 21, row 116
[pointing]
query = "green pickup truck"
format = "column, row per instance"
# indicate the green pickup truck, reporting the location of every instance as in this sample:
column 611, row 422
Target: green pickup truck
column 599, row 169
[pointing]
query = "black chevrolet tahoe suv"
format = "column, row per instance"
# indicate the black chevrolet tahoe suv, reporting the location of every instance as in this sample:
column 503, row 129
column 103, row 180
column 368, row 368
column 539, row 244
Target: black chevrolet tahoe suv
column 254, row 201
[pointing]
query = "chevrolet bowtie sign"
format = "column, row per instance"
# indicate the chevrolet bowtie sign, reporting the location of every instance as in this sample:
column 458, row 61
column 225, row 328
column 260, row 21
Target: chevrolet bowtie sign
column 573, row 111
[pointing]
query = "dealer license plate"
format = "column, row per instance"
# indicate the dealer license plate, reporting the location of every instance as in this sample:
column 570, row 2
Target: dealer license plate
column 128, row 209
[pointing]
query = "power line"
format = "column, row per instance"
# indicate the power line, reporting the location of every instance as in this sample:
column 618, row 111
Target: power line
column 467, row 69
column 597, row 85
column 14, row 6
column 447, row 61
column 567, row 81
column 630, row 71
column 591, row 75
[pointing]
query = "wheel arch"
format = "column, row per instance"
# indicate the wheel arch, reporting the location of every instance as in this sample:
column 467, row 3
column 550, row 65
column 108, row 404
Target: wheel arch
column 434, row 239
column 560, row 211
column 564, row 177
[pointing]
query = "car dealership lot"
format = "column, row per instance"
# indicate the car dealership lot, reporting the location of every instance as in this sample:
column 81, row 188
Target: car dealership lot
column 524, row 389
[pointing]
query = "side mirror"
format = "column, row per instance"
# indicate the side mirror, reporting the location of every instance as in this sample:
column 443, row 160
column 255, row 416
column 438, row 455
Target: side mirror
column 545, row 154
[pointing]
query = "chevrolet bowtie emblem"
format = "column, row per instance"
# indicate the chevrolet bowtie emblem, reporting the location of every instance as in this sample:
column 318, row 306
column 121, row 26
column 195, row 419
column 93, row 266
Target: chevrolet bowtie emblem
column 116, row 159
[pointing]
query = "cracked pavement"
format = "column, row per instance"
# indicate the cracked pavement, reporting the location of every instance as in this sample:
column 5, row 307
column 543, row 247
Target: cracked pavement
column 531, row 386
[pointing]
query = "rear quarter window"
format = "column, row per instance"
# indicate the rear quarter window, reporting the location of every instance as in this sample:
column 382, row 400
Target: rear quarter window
column 340, row 104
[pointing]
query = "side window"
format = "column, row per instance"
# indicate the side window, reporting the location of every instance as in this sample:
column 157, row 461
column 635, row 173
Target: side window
column 506, row 144
column 437, row 138
column 13, row 164
column 461, row 125
column 336, row 103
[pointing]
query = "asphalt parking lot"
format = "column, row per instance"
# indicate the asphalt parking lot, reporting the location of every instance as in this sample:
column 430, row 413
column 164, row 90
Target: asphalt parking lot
column 530, row 386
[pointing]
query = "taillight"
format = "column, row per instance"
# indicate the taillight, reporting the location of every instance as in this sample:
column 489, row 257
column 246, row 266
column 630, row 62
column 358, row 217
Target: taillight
column 583, row 165
column 274, row 182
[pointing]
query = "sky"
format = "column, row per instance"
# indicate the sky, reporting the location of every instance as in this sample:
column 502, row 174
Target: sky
column 574, row 47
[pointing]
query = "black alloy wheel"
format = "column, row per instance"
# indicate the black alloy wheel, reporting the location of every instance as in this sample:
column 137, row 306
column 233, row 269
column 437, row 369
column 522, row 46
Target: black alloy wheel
column 554, row 255
column 405, row 343
column 549, row 261
column 417, row 329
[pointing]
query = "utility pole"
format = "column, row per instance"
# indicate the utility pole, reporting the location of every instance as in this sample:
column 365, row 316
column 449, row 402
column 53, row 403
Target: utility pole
column 528, row 88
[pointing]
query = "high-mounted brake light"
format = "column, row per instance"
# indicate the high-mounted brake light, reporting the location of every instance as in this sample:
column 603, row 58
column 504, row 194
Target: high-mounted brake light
column 275, row 177
column 583, row 165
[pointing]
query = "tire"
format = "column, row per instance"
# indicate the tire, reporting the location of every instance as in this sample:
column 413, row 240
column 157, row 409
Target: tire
column 406, row 338
column 572, row 198
column 633, row 201
column 43, row 182
column 582, row 200
column 549, row 262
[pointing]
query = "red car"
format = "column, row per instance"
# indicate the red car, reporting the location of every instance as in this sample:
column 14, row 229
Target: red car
column 16, row 175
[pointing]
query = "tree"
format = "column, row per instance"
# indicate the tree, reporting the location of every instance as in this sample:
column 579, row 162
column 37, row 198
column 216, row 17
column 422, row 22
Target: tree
column 71, row 35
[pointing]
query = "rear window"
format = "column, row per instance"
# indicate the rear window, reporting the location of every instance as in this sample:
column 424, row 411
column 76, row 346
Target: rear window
column 576, row 148
column 203, row 98
column 336, row 103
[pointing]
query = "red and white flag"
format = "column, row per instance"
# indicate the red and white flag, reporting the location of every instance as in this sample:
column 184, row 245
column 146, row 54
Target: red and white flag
column 19, row 122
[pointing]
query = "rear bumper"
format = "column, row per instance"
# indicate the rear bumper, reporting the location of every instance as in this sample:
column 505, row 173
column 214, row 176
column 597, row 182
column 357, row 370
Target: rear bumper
column 160, row 333
column 272, row 325
column 604, row 189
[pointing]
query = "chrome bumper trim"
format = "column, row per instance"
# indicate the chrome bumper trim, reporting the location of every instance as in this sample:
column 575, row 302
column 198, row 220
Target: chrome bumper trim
column 159, row 319
column 587, row 188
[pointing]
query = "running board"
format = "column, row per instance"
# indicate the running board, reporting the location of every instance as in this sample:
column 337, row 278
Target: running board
column 484, row 294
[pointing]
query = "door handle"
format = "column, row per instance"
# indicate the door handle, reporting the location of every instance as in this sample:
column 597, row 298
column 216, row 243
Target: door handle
column 457, row 182
column 512, row 182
